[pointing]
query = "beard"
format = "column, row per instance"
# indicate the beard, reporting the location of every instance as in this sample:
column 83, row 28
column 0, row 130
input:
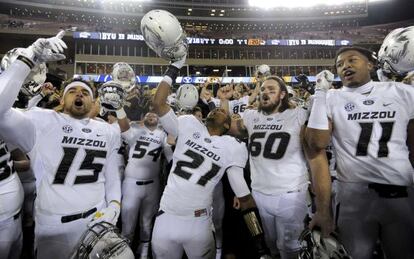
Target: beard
column 268, row 109
column 150, row 124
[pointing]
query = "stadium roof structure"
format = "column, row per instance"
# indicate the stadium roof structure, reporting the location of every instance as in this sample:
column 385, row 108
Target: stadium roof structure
column 217, row 16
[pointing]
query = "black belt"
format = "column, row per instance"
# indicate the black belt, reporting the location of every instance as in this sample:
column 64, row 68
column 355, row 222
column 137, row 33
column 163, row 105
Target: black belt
column 144, row 182
column 69, row 218
column 16, row 216
column 389, row 191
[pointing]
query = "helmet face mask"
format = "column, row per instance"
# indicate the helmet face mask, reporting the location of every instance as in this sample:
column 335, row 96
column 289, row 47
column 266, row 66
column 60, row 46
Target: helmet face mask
column 396, row 55
column 36, row 77
column 163, row 34
column 112, row 95
column 314, row 246
column 102, row 241
column 187, row 97
column 125, row 75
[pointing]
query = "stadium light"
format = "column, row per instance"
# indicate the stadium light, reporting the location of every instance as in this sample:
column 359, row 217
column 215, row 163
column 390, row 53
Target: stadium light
column 301, row 3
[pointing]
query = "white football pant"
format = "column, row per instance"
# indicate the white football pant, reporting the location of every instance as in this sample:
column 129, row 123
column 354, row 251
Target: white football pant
column 364, row 217
column 173, row 235
column 282, row 218
column 11, row 238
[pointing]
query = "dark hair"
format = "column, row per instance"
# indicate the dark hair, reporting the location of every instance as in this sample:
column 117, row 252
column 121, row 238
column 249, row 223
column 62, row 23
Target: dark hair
column 370, row 55
column 284, row 103
column 196, row 109
column 83, row 81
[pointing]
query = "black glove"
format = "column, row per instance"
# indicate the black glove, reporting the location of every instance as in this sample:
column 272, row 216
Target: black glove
column 305, row 84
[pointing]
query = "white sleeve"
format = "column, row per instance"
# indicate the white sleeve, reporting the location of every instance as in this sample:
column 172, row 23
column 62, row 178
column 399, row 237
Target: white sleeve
column 170, row 123
column 129, row 136
column 112, row 175
column 237, row 182
column 15, row 128
column 167, row 149
column 238, row 153
column 318, row 118
column 34, row 101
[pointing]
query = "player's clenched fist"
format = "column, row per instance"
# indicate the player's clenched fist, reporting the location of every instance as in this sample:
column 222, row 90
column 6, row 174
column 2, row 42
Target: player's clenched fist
column 324, row 80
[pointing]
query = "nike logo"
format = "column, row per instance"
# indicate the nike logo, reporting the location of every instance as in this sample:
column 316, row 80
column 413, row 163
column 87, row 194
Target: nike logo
column 216, row 147
column 99, row 135
column 386, row 104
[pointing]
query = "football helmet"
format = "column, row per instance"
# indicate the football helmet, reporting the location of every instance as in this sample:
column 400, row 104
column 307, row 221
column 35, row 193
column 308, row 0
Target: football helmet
column 396, row 55
column 263, row 70
column 37, row 76
column 102, row 241
column 187, row 97
column 314, row 246
column 163, row 34
column 112, row 96
column 125, row 75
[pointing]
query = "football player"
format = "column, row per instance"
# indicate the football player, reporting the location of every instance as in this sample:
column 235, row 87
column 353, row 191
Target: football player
column 372, row 129
column 141, row 186
column 11, row 200
column 279, row 169
column 73, row 157
column 201, row 157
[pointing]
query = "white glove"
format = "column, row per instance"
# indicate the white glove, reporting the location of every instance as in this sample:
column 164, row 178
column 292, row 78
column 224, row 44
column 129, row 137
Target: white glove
column 44, row 50
column 179, row 63
column 109, row 214
column 324, row 80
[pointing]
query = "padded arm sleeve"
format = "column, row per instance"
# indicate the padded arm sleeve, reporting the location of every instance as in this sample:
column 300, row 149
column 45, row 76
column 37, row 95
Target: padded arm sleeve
column 15, row 127
column 170, row 123
column 112, row 176
column 237, row 182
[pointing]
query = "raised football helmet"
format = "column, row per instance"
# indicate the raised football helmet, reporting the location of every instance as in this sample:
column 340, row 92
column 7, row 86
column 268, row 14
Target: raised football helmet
column 314, row 246
column 187, row 97
column 163, row 34
column 112, row 95
column 124, row 74
column 396, row 55
column 33, row 82
column 263, row 70
column 102, row 241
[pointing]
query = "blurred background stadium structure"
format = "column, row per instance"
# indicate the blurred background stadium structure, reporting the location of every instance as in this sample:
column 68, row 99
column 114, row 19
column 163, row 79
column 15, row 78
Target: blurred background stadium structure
column 228, row 38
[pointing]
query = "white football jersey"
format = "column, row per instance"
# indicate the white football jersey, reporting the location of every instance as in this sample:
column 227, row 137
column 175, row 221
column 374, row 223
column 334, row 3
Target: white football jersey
column 239, row 106
column 199, row 162
column 370, row 132
column 11, row 189
column 277, row 162
column 145, row 148
column 69, row 160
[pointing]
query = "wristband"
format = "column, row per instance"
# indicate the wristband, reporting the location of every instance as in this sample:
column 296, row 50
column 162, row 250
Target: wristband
column 172, row 72
column 27, row 61
column 120, row 114
column 116, row 202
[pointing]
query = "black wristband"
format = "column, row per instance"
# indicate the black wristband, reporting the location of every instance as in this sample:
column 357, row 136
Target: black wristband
column 172, row 72
column 27, row 61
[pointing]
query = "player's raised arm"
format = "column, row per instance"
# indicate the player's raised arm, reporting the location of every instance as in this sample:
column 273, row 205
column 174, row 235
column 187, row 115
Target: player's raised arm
column 318, row 133
column 15, row 127
column 160, row 104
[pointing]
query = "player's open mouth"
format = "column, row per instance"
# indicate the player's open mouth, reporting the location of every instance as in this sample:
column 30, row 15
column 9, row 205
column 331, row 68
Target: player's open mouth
column 349, row 74
column 265, row 98
column 78, row 102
